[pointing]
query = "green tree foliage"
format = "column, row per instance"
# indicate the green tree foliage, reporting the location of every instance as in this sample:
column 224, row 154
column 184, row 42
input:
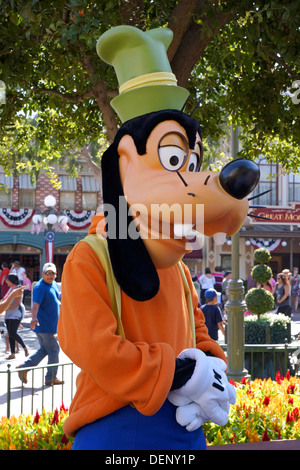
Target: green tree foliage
column 239, row 57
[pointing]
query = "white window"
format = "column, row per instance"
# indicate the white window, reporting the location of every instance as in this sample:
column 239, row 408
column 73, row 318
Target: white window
column 89, row 201
column 268, row 181
column 294, row 188
column 67, row 200
column 27, row 198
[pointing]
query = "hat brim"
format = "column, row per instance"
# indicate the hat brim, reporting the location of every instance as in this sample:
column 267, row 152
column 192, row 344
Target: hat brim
column 148, row 99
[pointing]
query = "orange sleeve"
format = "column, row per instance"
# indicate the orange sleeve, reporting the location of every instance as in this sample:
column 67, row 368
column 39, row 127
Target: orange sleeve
column 203, row 341
column 137, row 373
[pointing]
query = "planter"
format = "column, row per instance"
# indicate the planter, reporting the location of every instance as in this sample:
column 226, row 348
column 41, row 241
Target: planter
column 267, row 329
column 264, row 331
column 267, row 338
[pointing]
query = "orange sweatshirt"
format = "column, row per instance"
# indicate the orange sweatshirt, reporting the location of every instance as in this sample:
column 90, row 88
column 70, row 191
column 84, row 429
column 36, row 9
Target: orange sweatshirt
column 115, row 372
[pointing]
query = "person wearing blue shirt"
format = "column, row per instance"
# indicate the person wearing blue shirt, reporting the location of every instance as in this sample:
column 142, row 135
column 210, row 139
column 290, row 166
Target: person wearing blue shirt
column 212, row 313
column 45, row 312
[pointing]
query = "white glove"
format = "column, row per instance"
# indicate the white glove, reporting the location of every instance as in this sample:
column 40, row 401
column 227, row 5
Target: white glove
column 191, row 416
column 215, row 401
column 197, row 384
column 208, row 387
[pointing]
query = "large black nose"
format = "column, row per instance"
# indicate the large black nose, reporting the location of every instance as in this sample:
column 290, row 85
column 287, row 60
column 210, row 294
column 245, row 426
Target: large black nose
column 239, row 177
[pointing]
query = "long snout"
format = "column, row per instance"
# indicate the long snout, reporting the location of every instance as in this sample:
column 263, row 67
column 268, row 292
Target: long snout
column 239, row 178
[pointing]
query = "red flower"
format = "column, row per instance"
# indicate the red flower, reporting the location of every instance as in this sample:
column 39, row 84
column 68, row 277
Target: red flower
column 265, row 436
column 55, row 417
column 291, row 400
column 37, row 417
column 64, row 439
column 63, row 408
column 266, row 401
column 278, row 378
column 295, row 413
column 291, row 389
column 289, row 417
column 288, row 375
column 278, row 433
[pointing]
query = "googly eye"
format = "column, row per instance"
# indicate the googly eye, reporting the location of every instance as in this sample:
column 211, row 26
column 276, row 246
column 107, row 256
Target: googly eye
column 193, row 163
column 195, row 160
column 172, row 157
column 173, row 151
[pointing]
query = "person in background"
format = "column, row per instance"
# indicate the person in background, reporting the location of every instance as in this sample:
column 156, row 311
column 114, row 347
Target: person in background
column 250, row 282
column 283, row 294
column 212, row 313
column 196, row 285
column 219, row 276
column 3, row 276
column 17, row 269
column 13, row 316
column 206, row 281
column 27, row 284
column 226, row 279
column 14, row 294
column 45, row 312
column 295, row 289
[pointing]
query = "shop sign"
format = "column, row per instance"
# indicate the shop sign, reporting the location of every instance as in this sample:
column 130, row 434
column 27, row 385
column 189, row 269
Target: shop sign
column 276, row 215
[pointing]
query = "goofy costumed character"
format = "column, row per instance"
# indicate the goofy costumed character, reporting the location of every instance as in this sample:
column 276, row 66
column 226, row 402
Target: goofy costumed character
column 150, row 374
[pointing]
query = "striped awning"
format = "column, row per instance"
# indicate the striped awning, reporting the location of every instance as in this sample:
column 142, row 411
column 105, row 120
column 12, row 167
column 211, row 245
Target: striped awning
column 25, row 182
column 68, row 183
column 195, row 254
column 89, row 184
column 7, row 181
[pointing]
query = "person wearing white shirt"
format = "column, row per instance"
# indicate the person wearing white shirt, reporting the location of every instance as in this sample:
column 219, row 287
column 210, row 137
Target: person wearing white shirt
column 207, row 281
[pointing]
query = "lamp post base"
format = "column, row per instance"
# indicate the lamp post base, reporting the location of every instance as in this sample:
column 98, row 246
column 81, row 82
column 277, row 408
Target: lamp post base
column 236, row 334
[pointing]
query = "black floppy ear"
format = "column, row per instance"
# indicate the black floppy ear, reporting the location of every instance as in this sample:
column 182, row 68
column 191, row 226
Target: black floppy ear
column 131, row 262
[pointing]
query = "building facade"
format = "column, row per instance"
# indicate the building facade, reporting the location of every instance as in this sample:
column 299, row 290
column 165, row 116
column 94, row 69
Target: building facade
column 20, row 200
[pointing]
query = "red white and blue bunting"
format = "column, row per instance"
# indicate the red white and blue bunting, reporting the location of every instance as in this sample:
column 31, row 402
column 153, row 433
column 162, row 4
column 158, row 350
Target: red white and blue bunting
column 78, row 220
column 269, row 243
column 16, row 218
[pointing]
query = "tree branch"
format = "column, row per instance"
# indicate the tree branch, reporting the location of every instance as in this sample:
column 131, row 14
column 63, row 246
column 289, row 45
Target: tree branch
column 66, row 96
column 282, row 62
column 101, row 95
column 178, row 23
column 193, row 44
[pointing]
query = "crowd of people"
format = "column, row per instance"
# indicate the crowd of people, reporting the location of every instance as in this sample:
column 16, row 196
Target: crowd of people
column 44, row 311
column 212, row 289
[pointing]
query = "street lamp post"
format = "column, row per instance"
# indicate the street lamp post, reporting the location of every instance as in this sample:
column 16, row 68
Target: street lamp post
column 48, row 219
column 235, row 305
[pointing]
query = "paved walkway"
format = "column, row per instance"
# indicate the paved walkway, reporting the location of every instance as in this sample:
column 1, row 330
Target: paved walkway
column 35, row 395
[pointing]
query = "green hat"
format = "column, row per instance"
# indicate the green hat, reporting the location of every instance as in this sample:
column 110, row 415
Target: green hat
column 146, row 81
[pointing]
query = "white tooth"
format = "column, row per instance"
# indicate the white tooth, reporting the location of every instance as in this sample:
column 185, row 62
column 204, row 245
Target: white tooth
column 219, row 238
column 182, row 230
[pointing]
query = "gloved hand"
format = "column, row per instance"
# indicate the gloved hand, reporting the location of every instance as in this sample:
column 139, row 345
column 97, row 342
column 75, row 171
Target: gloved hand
column 191, row 416
column 218, row 396
column 208, row 387
column 197, row 384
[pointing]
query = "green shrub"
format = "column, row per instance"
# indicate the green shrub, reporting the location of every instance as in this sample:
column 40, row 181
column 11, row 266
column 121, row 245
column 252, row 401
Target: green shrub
column 262, row 256
column 259, row 301
column 261, row 273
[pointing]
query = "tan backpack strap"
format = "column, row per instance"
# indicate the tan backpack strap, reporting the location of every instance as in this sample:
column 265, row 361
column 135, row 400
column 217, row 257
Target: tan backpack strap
column 188, row 296
column 99, row 245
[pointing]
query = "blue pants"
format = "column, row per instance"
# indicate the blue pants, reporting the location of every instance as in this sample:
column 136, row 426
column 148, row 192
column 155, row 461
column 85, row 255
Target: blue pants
column 48, row 347
column 128, row 429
